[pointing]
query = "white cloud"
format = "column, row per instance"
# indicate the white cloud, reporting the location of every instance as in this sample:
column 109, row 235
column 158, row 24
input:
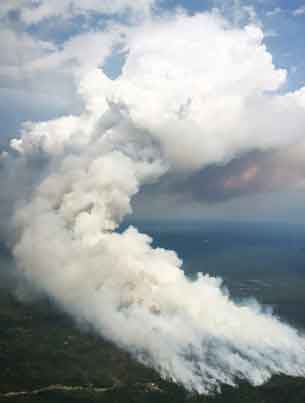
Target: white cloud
column 275, row 11
column 18, row 49
column 97, row 45
column 38, row 11
column 201, row 77
column 36, row 75
column 218, row 90
column 29, row 88
column 299, row 11
column 8, row 6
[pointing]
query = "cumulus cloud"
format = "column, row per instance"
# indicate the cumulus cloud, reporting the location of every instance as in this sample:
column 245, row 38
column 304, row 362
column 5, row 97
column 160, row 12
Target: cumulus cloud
column 194, row 91
column 189, row 93
column 171, row 93
column 38, row 68
column 38, row 76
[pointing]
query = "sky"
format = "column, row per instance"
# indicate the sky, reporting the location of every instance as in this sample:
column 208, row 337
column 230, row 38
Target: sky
column 47, row 46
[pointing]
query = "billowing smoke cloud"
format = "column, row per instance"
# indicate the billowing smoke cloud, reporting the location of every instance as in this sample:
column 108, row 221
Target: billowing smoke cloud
column 193, row 91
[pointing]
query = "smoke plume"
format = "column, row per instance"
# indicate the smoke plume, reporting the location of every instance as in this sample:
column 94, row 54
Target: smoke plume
column 193, row 91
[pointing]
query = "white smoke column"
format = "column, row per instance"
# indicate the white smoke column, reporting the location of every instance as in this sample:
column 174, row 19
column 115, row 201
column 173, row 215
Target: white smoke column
column 153, row 118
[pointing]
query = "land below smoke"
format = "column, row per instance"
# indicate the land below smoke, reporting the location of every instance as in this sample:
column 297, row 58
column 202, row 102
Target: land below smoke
column 47, row 358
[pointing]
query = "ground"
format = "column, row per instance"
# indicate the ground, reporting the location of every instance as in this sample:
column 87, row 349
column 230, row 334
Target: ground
column 45, row 357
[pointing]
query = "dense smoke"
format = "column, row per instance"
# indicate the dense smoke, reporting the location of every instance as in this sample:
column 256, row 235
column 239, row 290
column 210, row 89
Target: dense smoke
column 193, row 91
